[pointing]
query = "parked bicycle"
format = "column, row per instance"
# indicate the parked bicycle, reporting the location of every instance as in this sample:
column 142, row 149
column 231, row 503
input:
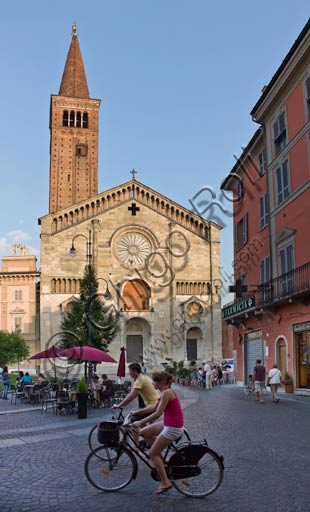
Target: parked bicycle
column 249, row 387
column 193, row 468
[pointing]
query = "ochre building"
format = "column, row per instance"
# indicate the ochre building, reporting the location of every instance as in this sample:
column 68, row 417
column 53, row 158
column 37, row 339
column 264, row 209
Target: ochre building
column 19, row 300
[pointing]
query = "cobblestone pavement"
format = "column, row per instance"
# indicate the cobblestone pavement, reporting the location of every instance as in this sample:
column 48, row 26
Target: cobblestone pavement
column 266, row 449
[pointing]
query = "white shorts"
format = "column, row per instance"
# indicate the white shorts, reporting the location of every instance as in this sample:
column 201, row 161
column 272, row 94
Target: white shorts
column 259, row 386
column 171, row 433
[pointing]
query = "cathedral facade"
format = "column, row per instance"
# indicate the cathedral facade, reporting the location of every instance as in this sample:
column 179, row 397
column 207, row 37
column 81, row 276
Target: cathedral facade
column 159, row 261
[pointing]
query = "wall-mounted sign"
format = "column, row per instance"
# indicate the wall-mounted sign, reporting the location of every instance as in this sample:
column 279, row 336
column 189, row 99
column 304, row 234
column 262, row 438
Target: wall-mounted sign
column 238, row 308
column 302, row 327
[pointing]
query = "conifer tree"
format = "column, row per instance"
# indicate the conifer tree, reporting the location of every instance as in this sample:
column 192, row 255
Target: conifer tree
column 90, row 320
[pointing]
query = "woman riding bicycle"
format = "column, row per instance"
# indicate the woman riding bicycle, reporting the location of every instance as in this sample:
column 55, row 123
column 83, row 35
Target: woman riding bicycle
column 167, row 431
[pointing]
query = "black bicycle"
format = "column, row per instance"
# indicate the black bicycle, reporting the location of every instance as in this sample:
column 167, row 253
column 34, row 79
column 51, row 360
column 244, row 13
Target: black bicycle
column 193, row 468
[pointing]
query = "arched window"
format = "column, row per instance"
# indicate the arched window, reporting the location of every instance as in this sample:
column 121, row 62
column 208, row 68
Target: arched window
column 65, row 118
column 136, row 295
column 78, row 119
column 85, row 120
column 72, row 118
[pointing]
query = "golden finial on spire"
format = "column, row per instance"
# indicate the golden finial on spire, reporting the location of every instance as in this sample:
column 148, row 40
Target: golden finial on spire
column 74, row 28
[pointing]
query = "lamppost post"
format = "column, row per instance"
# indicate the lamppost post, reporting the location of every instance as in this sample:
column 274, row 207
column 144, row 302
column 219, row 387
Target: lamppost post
column 89, row 258
column 106, row 294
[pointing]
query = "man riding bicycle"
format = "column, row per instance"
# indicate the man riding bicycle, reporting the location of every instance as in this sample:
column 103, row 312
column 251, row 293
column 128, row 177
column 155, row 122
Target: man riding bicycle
column 144, row 387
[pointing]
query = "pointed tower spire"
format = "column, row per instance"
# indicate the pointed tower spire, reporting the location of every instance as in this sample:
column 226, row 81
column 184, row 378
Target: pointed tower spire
column 74, row 127
column 74, row 83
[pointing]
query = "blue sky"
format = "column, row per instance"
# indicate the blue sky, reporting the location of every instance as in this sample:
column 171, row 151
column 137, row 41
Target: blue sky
column 177, row 80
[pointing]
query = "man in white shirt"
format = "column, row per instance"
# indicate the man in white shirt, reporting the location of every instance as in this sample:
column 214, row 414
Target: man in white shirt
column 207, row 370
column 274, row 381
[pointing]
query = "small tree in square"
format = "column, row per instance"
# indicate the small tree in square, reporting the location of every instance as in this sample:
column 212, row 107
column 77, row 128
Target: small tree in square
column 89, row 319
column 13, row 347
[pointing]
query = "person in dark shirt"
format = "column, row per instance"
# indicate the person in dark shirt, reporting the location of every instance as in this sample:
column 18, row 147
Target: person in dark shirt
column 106, row 390
column 259, row 378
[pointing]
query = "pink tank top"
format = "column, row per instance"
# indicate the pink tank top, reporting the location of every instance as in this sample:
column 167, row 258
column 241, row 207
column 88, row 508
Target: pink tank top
column 173, row 415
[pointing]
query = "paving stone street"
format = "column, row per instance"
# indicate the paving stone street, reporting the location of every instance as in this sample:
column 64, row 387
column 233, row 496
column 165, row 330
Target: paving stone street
column 266, row 448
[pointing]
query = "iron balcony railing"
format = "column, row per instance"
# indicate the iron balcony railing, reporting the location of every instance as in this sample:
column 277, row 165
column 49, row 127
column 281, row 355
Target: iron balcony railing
column 295, row 282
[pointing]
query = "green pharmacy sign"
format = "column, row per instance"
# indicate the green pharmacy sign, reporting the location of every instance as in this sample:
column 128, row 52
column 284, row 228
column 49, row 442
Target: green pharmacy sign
column 238, row 308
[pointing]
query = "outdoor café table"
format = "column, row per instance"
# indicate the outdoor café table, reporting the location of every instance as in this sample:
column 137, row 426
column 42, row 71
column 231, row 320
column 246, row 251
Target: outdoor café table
column 28, row 388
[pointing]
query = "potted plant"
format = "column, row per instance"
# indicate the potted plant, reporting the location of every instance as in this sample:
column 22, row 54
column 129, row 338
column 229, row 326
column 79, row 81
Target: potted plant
column 183, row 375
column 288, row 383
column 82, row 394
column 170, row 367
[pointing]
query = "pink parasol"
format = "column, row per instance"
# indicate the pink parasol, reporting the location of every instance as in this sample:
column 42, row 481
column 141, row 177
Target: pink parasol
column 49, row 353
column 87, row 353
column 121, row 370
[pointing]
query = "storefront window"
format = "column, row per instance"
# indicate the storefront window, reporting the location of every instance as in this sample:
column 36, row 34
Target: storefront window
column 303, row 359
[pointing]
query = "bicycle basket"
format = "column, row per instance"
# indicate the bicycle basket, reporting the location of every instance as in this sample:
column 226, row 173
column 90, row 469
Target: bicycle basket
column 108, row 433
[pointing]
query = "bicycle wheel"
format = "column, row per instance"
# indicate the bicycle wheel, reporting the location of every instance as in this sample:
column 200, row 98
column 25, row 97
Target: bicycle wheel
column 209, row 479
column 93, row 443
column 112, row 471
column 246, row 390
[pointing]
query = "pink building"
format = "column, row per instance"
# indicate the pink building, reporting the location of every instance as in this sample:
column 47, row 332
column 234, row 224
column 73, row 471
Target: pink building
column 271, row 187
column 19, row 299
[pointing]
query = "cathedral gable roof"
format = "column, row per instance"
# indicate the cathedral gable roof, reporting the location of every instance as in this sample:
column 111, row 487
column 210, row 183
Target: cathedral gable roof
column 130, row 191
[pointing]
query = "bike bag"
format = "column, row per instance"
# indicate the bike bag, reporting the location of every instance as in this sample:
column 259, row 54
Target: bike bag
column 188, row 455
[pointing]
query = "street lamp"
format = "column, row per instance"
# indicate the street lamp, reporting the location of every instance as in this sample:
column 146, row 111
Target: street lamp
column 106, row 294
column 89, row 255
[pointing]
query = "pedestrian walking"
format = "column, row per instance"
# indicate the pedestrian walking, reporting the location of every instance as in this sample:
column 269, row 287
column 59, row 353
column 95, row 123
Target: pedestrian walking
column 274, row 381
column 6, row 382
column 259, row 378
column 207, row 370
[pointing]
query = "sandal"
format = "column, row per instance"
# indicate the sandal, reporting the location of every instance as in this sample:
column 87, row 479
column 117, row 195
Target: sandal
column 161, row 490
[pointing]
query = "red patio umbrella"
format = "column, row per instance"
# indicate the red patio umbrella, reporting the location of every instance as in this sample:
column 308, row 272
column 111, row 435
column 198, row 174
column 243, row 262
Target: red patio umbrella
column 121, row 370
column 49, row 353
column 87, row 353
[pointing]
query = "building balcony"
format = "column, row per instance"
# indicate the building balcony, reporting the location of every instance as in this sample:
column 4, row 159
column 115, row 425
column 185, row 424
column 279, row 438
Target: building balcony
column 292, row 285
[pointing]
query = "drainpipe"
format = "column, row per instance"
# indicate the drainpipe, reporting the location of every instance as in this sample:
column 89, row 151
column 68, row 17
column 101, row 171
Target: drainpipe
column 211, row 296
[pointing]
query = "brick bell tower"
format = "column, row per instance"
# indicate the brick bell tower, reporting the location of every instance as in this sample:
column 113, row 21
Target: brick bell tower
column 74, row 136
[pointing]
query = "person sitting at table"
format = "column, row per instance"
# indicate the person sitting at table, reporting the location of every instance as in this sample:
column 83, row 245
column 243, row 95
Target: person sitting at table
column 96, row 388
column 106, row 389
column 26, row 379
column 18, row 384
column 41, row 379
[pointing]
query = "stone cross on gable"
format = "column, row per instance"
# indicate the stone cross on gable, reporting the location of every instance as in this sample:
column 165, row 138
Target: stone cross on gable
column 133, row 172
column 133, row 209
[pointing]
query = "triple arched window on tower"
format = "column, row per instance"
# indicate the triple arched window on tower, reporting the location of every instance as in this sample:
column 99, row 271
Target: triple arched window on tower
column 75, row 119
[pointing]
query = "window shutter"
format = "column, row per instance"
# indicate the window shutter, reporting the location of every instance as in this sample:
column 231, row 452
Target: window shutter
column 308, row 89
column 282, row 125
column 245, row 229
column 236, row 237
column 262, row 163
column 285, row 181
column 261, row 204
column 279, row 185
column 276, row 130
